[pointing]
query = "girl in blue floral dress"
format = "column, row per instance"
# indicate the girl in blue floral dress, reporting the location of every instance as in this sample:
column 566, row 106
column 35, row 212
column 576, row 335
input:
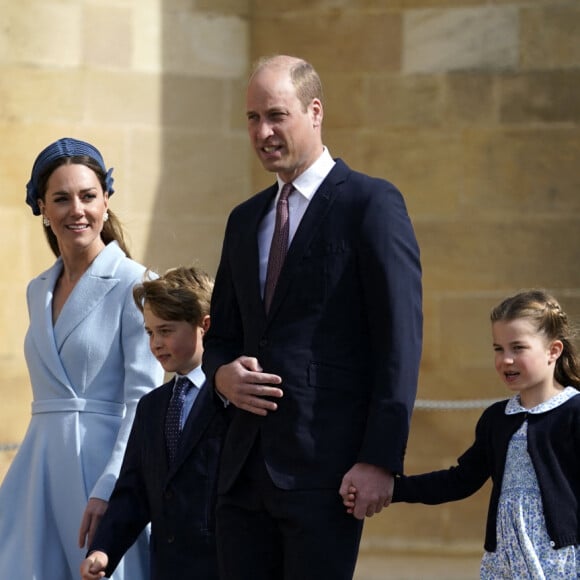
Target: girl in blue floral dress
column 529, row 445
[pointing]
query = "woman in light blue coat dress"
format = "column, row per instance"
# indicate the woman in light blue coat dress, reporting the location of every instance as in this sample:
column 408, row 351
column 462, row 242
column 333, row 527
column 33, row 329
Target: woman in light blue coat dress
column 89, row 363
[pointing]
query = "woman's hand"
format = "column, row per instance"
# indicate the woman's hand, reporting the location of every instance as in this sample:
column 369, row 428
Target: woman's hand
column 91, row 518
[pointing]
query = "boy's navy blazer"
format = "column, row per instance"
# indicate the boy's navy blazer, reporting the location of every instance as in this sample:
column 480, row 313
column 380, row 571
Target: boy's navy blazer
column 179, row 501
column 343, row 331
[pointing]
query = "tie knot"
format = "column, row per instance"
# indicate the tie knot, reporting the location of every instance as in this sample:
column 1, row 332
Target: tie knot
column 287, row 189
column 182, row 385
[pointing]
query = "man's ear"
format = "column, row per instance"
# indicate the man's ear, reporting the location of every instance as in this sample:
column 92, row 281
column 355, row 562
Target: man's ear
column 317, row 112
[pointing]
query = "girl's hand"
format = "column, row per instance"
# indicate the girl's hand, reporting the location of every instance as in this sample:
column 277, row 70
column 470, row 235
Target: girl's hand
column 349, row 499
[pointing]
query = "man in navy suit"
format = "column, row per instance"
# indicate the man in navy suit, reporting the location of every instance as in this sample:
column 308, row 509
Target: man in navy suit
column 322, row 373
column 171, row 485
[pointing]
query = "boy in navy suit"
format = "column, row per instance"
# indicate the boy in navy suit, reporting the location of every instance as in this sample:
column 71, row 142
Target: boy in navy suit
column 169, row 471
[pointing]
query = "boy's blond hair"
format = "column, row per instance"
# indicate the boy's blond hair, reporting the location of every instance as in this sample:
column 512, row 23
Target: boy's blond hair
column 182, row 293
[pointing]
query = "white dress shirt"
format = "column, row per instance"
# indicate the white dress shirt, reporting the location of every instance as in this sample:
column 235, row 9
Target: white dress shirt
column 306, row 185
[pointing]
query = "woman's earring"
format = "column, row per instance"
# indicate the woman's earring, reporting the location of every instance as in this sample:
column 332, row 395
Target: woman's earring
column 105, row 216
column 45, row 221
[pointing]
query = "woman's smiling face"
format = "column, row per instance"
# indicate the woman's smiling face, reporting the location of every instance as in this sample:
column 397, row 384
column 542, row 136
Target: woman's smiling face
column 75, row 204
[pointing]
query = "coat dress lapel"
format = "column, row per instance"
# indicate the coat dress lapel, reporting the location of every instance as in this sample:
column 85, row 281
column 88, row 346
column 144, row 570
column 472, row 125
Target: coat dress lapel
column 89, row 292
column 41, row 330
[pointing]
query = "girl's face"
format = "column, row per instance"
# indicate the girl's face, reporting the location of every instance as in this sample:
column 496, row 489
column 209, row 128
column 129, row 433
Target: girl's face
column 525, row 360
column 176, row 344
column 75, row 204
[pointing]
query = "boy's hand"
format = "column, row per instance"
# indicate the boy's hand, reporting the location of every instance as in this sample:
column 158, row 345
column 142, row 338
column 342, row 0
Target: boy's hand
column 243, row 383
column 93, row 567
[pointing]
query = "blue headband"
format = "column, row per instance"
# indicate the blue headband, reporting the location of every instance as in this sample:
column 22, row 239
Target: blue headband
column 66, row 147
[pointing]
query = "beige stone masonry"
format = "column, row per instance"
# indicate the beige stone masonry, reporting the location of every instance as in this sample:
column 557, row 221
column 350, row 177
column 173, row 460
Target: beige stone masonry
column 204, row 45
column 469, row 99
column 470, row 254
column 206, row 181
column 460, row 39
column 107, row 35
column 42, row 33
column 470, row 107
column 323, row 7
column 241, row 8
column 336, row 41
column 35, row 94
column 118, row 99
column 518, row 172
column 549, row 37
column 350, row 110
column 423, row 163
column 413, row 100
column 540, row 97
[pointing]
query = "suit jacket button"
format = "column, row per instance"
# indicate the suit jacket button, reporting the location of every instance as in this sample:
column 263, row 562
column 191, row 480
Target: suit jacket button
column 170, row 539
column 263, row 342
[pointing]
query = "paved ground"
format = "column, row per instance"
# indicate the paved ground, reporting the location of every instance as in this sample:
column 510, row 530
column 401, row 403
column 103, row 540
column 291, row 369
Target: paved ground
column 417, row 567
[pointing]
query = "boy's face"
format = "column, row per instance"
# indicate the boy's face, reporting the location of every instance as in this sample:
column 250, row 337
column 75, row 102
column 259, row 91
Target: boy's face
column 176, row 344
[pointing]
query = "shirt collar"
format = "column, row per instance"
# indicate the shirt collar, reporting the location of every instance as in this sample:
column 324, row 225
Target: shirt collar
column 196, row 376
column 309, row 181
column 514, row 405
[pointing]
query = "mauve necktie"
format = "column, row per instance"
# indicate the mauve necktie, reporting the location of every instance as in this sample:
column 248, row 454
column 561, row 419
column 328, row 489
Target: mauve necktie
column 173, row 416
column 279, row 245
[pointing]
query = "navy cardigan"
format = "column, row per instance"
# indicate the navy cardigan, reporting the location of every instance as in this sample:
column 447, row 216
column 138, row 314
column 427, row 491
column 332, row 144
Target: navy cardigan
column 554, row 447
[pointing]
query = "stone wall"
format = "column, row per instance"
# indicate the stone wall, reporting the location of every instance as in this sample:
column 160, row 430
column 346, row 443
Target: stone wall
column 469, row 106
column 156, row 85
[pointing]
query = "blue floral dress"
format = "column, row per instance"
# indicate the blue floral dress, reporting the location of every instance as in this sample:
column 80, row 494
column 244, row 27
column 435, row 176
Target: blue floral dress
column 523, row 546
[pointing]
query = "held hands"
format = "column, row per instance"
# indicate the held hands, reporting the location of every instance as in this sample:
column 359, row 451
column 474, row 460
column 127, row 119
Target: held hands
column 243, row 383
column 93, row 567
column 366, row 489
column 93, row 513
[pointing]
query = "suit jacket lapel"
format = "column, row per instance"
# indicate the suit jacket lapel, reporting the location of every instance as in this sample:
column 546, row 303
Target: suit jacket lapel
column 318, row 208
column 156, row 417
column 250, row 252
column 197, row 422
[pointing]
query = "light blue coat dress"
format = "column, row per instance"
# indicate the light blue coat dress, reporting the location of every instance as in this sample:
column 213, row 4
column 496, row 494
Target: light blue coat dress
column 88, row 372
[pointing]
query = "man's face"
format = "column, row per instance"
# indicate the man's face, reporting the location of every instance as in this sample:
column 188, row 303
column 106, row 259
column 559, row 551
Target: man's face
column 286, row 138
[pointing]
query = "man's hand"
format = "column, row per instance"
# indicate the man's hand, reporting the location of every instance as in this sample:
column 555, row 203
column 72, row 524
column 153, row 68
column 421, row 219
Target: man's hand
column 91, row 518
column 366, row 489
column 93, row 567
column 243, row 383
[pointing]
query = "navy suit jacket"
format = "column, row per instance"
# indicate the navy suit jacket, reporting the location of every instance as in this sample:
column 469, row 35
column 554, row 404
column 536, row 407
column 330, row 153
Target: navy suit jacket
column 344, row 332
column 179, row 501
